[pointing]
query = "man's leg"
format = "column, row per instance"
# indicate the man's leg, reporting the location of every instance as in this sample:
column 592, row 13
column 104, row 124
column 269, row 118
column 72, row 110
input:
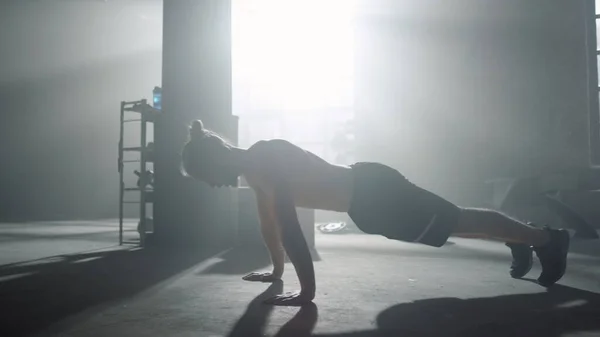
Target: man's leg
column 388, row 204
column 551, row 246
column 484, row 223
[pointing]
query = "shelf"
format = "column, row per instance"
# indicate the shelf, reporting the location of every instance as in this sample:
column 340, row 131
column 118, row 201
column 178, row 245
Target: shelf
column 138, row 189
column 137, row 161
column 149, row 154
column 130, row 149
column 137, row 202
column 149, row 112
column 149, row 196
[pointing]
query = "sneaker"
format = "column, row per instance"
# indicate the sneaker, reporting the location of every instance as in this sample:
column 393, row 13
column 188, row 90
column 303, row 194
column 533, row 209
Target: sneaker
column 553, row 256
column 522, row 259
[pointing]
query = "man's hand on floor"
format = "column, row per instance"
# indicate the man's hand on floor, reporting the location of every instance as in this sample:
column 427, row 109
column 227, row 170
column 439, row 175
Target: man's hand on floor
column 260, row 277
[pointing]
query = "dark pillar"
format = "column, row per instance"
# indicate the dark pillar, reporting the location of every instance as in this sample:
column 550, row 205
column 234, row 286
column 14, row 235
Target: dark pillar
column 589, row 17
column 196, row 85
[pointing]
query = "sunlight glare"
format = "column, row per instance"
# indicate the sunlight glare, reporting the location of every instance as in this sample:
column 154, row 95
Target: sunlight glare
column 293, row 55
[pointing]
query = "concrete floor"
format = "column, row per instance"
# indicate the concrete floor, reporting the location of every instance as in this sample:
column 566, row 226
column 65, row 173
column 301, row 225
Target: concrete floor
column 69, row 279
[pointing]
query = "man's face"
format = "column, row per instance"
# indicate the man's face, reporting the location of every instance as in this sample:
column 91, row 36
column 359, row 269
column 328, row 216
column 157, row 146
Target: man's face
column 218, row 176
column 217, row 171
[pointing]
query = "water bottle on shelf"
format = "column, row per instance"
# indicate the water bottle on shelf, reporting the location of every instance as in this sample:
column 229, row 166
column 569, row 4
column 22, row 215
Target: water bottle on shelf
column 157, row 98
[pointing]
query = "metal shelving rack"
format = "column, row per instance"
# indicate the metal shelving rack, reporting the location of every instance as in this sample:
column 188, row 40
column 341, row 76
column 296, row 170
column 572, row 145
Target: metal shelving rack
column 145, row 114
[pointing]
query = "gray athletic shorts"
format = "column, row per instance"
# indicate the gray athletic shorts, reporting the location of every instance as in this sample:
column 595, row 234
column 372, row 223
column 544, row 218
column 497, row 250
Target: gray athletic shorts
column 386, row 203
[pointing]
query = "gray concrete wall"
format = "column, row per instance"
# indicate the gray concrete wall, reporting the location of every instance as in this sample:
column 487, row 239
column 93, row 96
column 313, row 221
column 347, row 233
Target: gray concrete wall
column 455, row 92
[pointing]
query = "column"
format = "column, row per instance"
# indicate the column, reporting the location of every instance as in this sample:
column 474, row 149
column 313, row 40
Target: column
column 196, row 85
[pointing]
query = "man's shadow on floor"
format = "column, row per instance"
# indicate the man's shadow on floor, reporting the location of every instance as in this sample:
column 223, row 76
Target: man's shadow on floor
column 254, row 319
column 553, row 313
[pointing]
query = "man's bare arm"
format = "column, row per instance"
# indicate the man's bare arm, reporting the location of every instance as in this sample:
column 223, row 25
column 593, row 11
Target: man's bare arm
column 295, row 246
column 271, row 234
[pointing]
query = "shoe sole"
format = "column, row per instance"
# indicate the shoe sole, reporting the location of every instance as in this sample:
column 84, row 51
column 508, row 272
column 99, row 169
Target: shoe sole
column 526, row 271
column 565, row 244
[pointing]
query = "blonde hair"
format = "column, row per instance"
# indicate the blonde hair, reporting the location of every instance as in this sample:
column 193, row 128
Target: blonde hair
column 201, row 142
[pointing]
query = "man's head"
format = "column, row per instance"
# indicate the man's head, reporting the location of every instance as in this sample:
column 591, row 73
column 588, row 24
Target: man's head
column 209, row 158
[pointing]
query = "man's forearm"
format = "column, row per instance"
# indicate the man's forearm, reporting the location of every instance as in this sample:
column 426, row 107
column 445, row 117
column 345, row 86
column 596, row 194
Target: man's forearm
column 271, row 235
column 299, row 254
column 276, row 250
column 293, row 240
column 278, row 260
